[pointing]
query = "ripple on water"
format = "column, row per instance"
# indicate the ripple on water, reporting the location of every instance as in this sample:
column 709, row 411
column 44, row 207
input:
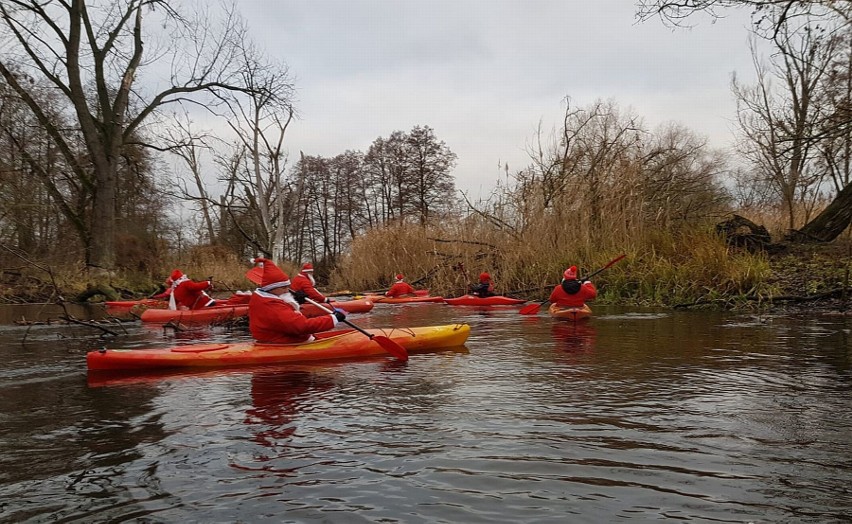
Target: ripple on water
column 634, row 415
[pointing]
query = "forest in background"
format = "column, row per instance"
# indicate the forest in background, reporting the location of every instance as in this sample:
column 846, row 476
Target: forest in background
column 84, row 145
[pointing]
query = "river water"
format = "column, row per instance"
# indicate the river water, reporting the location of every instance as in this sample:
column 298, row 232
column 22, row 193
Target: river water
column 636, row 415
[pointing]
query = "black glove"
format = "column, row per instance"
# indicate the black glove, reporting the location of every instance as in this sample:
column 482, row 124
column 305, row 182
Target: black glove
column 300, row 296
column 327, row 300
column 340, row 315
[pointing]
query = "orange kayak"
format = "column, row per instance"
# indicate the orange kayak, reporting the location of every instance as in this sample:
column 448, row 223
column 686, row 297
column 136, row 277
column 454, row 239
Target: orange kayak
column 473, row 300
column 329, row 345
column 194, row 317
column 350, row 306
column 381, row 299
column 570, row 313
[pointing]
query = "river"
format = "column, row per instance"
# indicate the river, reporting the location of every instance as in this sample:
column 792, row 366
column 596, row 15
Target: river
column 635, row 415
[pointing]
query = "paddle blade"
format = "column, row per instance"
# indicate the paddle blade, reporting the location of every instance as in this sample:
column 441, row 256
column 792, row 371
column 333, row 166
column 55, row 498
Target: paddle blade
column 255, row 274
column 530, row 309
column 392, row 347
column 613, row 261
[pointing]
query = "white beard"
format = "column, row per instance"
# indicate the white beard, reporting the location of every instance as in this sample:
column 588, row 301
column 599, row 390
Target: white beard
column 288, row 298
column 311, row 278
column 285, row 297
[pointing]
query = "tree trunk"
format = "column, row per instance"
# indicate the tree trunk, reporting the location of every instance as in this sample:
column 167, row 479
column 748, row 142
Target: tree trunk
column 829, row 224
column 102, row 248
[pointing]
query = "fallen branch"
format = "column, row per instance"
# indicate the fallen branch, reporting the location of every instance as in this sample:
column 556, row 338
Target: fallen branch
column 89, row 324
column 474, row 242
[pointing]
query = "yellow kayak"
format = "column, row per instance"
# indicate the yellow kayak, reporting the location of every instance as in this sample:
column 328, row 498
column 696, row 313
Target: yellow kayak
column 328, row 345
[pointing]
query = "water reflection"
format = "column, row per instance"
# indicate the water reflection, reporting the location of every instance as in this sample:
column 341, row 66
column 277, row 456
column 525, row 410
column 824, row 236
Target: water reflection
column 276, row 399
column 633, row 415
column 574, row 337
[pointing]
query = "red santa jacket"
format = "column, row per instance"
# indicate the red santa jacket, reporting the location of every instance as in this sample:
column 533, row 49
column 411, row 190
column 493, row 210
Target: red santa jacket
column 561, row 298
column 400, row 288
column 164, row 295
column 303, row 283
column 190, row 293
column 274, row 320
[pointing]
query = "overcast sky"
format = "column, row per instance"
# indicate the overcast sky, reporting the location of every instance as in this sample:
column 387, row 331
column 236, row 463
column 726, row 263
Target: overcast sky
column 484, row 73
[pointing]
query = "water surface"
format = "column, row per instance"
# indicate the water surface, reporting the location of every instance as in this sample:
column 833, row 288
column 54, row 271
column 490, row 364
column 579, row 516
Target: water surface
column 636, row 415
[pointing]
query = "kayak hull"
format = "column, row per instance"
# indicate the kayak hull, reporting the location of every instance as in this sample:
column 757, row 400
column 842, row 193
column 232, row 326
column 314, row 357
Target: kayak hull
column 472, row 300
column 327, row 346
column 194, row 317
column 573, row 314
column 349, row 306
column 379, row 299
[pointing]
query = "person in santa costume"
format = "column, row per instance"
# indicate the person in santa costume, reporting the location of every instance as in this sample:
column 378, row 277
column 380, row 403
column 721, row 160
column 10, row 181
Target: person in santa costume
column 304, row 284
column 189, row 294
column 274, row 315
column 400, row 288
column 485, row 288
column 572, row 292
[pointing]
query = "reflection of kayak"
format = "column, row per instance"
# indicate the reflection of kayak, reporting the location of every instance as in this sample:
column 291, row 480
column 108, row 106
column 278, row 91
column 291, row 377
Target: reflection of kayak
column 328, row 345
column 473, row 300
column 350, row 306
column 570, row 313
column 127, row 304
column 101, row 378
column 380, row 299
column 196, row 317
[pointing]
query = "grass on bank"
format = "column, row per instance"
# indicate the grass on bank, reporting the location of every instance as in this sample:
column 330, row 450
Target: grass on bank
column 661, row 269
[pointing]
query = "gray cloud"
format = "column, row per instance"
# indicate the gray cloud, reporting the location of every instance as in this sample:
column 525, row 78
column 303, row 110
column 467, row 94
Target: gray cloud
column 484, row 73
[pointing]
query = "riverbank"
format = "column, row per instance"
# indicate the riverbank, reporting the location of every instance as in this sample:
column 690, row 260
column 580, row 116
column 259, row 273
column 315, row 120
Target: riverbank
column 812, row 277
column 803, row 278
column 791, row 278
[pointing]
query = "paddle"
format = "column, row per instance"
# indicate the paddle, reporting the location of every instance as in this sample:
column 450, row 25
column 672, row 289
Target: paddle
column 387, row 344
column 533, row 309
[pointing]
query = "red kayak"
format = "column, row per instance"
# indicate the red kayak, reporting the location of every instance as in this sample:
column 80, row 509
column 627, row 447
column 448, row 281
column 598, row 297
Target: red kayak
column 473, row 300
column 194, row 317
column 237, row 299
column 350, row 306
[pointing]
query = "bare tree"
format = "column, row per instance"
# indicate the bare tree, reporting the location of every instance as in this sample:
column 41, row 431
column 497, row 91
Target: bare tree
column 389, row 162
column 782, row 21
column 681, row 178
column 835, row 144
column 431, row 177
column 260, row 120
column 778, row 122
column 93, row 52
column 189, row 146
column 771, row 13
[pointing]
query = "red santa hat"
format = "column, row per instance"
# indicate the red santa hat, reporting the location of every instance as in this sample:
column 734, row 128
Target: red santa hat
column 307, row 267
column 176, row 274
column 273, row 276
column 400, row 276
column 570, row 273
column 484, row 277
